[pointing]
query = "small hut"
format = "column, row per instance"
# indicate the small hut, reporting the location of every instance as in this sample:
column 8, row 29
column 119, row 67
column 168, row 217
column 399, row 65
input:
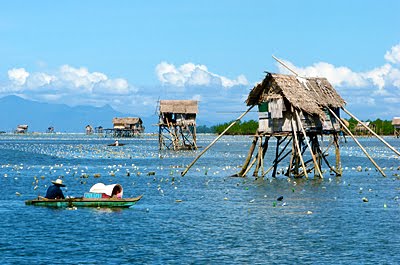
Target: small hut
column 396, row 125
column 362, row 130
column 89, row 129
column 22, row 128
column 127, row 127
column 294, row 110
column 177, row 124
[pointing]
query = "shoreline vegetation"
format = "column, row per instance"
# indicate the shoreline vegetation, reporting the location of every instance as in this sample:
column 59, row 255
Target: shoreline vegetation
column 381, row 127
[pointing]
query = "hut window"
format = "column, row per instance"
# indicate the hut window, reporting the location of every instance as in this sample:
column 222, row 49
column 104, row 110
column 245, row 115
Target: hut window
column 276, row 108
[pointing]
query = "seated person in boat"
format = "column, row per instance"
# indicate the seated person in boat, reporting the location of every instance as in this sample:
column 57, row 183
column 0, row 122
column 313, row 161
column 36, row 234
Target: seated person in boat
column 54, row 191
column 100, row 190
column 116, row 143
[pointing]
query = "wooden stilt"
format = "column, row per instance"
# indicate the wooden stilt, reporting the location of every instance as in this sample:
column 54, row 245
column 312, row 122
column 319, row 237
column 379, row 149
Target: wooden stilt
column 308, row 144
column 278, row 142
column 249, row 155
column 261, row 154
column 298, row 148
column 337, row 155
column 358, row 143
column 289, row 171
column 259, row 157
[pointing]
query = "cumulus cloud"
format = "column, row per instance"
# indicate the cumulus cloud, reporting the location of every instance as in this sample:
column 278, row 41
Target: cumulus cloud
column 393, row 56
column 68, row 78
column 190, row 74
column 380, row 77
column 18, row 76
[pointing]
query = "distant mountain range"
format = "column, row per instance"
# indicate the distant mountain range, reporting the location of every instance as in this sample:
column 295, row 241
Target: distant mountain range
column 40, row 116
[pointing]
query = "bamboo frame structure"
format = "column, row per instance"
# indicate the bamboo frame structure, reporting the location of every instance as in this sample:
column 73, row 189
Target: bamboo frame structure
column 177, row 125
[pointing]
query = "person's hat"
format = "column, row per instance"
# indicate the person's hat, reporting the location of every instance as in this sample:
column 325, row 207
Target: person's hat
column 58, row 182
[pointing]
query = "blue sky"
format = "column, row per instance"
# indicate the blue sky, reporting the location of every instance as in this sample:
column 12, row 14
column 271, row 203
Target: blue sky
column 129, row 54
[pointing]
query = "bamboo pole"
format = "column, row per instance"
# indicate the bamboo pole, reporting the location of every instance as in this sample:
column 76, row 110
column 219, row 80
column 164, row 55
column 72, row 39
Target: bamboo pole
column 298, row 148
column 308, row 144
column 357, row 142
column 287, row 67
column 215, row 140
column 371, row 131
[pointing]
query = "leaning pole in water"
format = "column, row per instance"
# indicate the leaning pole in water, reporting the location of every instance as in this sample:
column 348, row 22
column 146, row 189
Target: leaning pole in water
column 215, row 140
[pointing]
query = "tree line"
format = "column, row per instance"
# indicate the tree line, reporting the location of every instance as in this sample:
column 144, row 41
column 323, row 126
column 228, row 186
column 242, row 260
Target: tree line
column 381, row 127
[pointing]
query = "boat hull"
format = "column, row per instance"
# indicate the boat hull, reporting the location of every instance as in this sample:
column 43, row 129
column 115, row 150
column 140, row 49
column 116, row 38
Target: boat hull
column 85, row 202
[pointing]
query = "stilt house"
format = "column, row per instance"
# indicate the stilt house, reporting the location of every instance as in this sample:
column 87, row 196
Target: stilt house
column 361, row 130
column 22, row 128
column 89, row 129
column 292, row 109
column 396, row 125
column 177, row 124
column 127, row 127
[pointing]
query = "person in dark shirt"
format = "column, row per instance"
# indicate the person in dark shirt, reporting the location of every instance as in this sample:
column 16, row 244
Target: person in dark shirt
column 54, row 191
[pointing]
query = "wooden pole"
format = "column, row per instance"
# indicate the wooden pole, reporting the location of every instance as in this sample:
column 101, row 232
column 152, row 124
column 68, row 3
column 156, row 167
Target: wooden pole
column 371, row 131
column 278, row 143
column 215, row 140
column 308, row 144
column 337, row 154
column 287, row 67
column 259, row 158
column 357, row 142
column 298, row 148
column 249, row 155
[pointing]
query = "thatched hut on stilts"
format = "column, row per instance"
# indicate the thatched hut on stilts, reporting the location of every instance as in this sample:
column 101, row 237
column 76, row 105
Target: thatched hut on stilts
column 298, row 112
column 295, row 111
column 177, row 124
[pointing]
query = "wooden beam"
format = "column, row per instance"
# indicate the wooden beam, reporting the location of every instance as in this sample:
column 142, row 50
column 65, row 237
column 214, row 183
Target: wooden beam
column 298, row 148
column 371, row 131
column 215, row 140
column 358, row 143
column 308, row 144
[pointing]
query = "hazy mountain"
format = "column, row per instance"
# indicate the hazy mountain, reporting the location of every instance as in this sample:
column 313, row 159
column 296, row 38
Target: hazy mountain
column 39, row 116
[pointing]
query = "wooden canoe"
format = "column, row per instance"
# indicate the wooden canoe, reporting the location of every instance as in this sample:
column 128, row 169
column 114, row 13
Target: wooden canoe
column 85, row 202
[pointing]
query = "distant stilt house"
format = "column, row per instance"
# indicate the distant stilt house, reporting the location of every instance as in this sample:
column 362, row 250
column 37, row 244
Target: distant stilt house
column 23, row 128
column 296, row 111
column 361, row 130
column 99, row 129
column 396, row 125
column 127, row 127
column 50, row 129
column 177, row 124
column 89, row 129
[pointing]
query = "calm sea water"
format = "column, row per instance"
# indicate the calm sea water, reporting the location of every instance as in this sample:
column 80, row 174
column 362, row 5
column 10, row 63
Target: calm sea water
column 205, row 217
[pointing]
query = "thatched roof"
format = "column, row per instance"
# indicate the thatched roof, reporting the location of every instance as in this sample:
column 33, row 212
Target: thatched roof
column 179, row 106
column 396, row 121
column 127, row 120
column 310, row 95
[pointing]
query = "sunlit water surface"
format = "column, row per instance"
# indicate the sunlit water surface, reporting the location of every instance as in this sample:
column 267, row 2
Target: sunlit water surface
column 205, row 217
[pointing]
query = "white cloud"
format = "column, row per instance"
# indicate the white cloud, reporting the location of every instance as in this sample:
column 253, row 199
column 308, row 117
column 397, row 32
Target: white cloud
column 37, row 80
column 393, row 56
column 190, row 74
column 380, row 77
column 18, row 76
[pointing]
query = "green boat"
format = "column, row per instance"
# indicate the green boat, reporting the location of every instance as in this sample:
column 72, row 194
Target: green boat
column 85, row 202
